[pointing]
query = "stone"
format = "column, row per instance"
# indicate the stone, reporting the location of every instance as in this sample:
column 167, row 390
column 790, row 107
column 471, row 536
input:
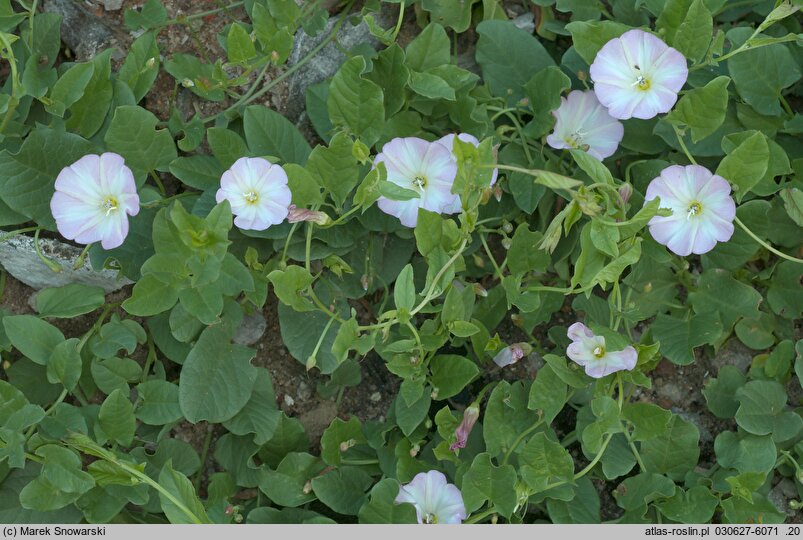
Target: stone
column 733, row 353
column 18, row 257
column 82, row 31
column 251, row 329
column 112, row 5
column 327, row 61
column 781, row 494
column 304, row 391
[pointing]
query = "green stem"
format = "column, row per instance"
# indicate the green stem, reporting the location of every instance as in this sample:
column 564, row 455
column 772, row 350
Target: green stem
column 54, row 266
column 764, row 244
column 11, row 234
column 14, row 101
column 479, row 517
column 520, row 438
column 200, row 15
column 204, row 452
column 359, row 462
column 490, row 256
column 683, row 145
column 159, row 183
column 399, row 20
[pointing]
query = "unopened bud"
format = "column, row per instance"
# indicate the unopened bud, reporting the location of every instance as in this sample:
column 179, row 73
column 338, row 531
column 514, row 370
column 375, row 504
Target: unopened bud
column 523, row 102
column 307, row 487
column 345, row 445
column 478, row 262
column 187, row 83
column 434, row 393
column 311, row 362
column 506, row 243
column 229, row 510
column 470, row 416
column 413, row 360
column 507, row 227
column 795, row 505
column 428, row 423
column 647, row 287
column 497, row 193
column 150, row 63
column 581, row 75
column 274, row 56
column 625, row 191
column 364, row 282
column 517, row 320
column 414, row 450
column 296, row 215
column 479, row 290
column 512, row 354
column 238, row 518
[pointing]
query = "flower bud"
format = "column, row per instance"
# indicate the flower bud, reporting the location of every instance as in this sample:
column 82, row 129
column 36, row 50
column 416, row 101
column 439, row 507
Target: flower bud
column 625, row 191
column 187, row 83
column 297, row 215
column 364, row 282
column 506, row 243
column 414, row 450
column 470, row 417
column 311, row 362
column 507, row 227
column 307, row 487
column 274, row 57
column 497, row 193
column 434, row 393
column 150, row 63
column 479, row 290
column 512, row 354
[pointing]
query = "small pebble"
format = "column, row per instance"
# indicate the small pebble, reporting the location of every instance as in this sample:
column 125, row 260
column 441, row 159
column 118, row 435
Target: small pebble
column 288, row 400
column 375, row 397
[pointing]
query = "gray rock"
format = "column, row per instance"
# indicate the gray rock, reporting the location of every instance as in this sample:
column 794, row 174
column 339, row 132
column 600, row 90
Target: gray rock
column 304, row 391
column 326, row 62
column 781, row 494
column 18, row 257
column 696, row 418
column 82, row 31
column 251, row 329
column 733, row 353
column 112, row 5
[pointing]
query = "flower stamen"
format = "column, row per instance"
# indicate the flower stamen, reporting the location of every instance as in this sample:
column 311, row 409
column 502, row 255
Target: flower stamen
column 695, row 209
column 599, row 351
column 109, row 205
column 642, row 83
column 251, row 197
column 430, row 519
column 419, row 181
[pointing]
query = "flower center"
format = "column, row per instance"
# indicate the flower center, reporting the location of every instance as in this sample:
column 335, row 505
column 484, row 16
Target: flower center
column 251, row 197
column 109, row 205
column 430, row 519
column 599, row 351
column 695, row 209
column 642, row 83
column 419, row 181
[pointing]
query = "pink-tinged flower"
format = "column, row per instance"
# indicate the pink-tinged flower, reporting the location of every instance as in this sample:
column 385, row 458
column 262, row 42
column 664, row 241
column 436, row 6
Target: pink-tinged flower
column 588, row 350
column 257, row 191
column 638, row 75
column 470, row 417
column 702, row 209
column 582, row 122
column 512, row 354
column 93, row 199
column 427, row 168
column 448, row 142
column 435, row 500
column 297, row 215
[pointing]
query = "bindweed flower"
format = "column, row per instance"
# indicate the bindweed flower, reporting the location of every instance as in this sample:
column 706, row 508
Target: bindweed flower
column 424, row 167
column 435, row 500
column 583, row 123
column 448, row 142
column 588, row 350
column 702, row 209
column 470, row 417
column 257, row 191
column 638, row 76
column 512, row 354
column 93, row 199
column 296, row 215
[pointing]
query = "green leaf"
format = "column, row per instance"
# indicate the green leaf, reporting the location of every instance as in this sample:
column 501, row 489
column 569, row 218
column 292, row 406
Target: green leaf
column 584, row 508
column 64, row 365
column 784, row 295
column 133, row 135
column 745, row 452
column 200, row 172
column 694, row 33
column 506, row 416
column 487, row 482
column 28, row 175
column 548, row 394
column 286, row 485
column 650, row 420
column 588, row 37
column 702, row 109
column 343, row 490
column 679, row 337
column 392, row 75
column 455, row 14
column 217, row 378
column 296, row 329
column 675, row 452
column 697, row 505
column 544, row 462
column 152, row 14
column 761, row 510
column 640, row 490
column 356, row 103
column 32, row 336
column 592, row 166
column 543, row 91
column 430, row 48
column 141, row 66
column 720, row 392
column 340, row 432
column 404, row 289
column 509, row 57
column 268, row 133
column 334, row 167
column 150, row 297
column 382, row 508
column 288, row 285
column 69, row 301
column 115, row 373
column 260, row 415
column 746, row 164
column 451, row 373
column 793, row 203
column 430, row 86
column 88, row 114
column 760, row 402
column 718, row 292
column 409, row 417
column 69, row 88
column 761, row 73
column 116, row 418
column 158, row 403
column 182, row 505
column 239, row 47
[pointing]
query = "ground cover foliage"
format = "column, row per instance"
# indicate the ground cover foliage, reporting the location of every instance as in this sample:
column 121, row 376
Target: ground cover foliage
column 85, row 419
